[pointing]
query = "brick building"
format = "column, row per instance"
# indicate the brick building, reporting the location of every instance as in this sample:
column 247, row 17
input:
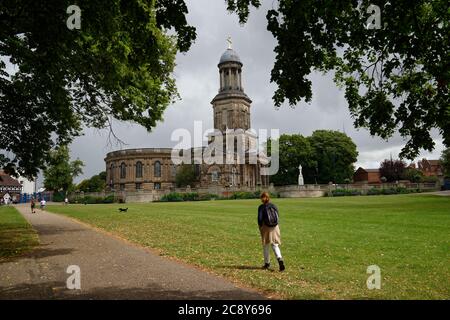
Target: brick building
column 430, row 168
column 362, row 175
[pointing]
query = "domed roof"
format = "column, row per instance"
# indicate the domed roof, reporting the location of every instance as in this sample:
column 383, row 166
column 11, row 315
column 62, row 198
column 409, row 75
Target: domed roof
column 230, row 56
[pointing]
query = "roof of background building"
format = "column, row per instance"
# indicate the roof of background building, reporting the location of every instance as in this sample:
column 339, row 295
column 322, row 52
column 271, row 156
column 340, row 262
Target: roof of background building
column 7, row 180
column 369, row 170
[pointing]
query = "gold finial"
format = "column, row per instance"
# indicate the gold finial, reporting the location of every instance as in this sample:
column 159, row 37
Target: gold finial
column 230, row 43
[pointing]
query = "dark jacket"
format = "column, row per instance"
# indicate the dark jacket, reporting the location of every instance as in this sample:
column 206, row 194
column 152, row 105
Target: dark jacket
column 262, row 212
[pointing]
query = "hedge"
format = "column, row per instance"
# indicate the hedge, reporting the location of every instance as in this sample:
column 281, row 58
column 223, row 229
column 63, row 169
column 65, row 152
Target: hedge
column 388, row 191
column 95, row 200
column 345, row 192
column 194, row 196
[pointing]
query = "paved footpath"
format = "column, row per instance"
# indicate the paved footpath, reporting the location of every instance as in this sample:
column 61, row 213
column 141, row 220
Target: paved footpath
column 110, row 268
column 440, row 193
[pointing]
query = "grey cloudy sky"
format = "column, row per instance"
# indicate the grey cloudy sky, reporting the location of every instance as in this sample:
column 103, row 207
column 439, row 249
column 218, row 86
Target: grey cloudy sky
column 197, row 80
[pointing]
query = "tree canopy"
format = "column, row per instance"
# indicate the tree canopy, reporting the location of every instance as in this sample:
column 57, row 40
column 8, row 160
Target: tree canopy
column 395, row 74
column 60, row 172
column 294, row 150
column 326, row 156
column 413, row 175
column 95, row 183
column 335, row 154
column 118, row 65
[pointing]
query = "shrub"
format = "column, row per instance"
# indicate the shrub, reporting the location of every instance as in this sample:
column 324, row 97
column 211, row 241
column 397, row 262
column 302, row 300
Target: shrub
column 373, row 192
column 345, row 192
column 94, row 200
column 172, row 197
column 389, row 191
column 108, row 199
column 190, row 196
column 208, row 196
column 245, row 195
column 403, row 190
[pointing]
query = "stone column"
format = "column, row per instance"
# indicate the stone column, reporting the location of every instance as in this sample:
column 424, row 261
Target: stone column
column 240, row 80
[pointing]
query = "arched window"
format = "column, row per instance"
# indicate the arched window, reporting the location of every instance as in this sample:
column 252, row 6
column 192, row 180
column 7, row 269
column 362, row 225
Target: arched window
column 123, row 171
column 157, row 168
column 214, row 176
column 138, row 169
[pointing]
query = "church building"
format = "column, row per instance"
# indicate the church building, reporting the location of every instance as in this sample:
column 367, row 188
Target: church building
column 153, row 168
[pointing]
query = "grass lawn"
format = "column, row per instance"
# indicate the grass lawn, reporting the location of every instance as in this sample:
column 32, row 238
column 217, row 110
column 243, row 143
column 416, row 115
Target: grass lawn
column 328, row 243
column 16, row 234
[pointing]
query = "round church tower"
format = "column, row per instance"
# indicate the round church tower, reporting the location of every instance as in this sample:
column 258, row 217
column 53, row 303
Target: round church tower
column 231, row 105
column 240, row 166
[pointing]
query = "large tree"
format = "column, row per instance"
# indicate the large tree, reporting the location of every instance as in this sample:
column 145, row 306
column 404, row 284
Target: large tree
column 335, row 153
column 294, row 150
column 96, row 183
column 326, row 156
column 395, row 73
column 60, row 172
column 118, row 65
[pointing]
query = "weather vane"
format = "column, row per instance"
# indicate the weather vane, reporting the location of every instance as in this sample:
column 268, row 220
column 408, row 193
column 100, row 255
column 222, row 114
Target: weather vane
column 230, row 43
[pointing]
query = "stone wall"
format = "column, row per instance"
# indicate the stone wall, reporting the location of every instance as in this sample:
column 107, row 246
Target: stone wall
column 306, row 191
column 291, row 191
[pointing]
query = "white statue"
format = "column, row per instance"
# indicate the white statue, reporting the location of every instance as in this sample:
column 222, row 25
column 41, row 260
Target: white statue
column 230, row 43
column 300, row 176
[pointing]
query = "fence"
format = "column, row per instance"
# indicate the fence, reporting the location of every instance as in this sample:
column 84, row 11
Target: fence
column 26, row 197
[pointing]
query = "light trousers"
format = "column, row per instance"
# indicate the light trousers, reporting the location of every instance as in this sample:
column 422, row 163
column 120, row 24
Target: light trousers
column 266, row 250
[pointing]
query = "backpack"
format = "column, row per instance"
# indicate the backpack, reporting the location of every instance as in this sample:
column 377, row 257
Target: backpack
column 271, row 216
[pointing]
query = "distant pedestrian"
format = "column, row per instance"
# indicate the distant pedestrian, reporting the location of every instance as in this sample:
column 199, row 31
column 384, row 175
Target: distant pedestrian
column 43, row 203
column 270, row 231
column 33, row 206
column 66, row 201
